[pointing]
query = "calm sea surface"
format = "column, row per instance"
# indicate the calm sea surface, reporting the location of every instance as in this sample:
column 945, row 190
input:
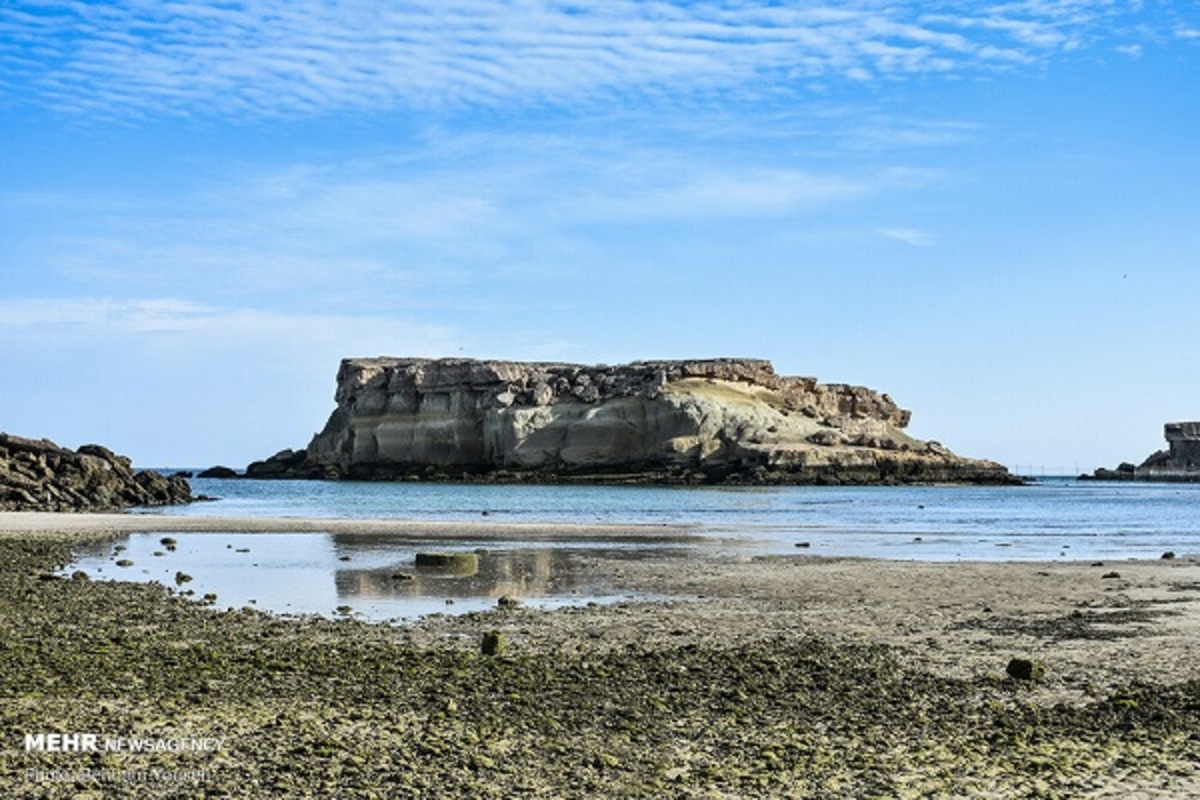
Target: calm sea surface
column 1052, row 518
column 376, row 576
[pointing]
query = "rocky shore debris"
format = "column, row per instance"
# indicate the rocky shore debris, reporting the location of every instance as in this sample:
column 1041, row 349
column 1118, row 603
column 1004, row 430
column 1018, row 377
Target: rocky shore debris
column 39, row 475
column 722, row 420
column 660, row 702
column 219, row 472
column 493, row 643
column 1024, row 669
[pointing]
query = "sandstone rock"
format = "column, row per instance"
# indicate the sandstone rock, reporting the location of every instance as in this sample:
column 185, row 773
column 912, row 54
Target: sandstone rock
column 39, row 475
column 716, row 420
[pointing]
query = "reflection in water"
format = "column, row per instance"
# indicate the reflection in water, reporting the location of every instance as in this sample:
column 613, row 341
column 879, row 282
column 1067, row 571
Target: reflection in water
column 522, row 574
column 380, row 577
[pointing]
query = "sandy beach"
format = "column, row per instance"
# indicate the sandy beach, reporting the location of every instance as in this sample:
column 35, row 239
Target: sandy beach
column 788, row 676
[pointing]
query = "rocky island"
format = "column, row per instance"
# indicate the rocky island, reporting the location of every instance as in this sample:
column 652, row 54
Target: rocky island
column 688, row 421
column 39, row 475
column 1179, row 463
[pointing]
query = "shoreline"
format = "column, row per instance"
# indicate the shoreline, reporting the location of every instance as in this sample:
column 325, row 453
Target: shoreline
column 118, row 523
column 921, row 606
column 860, row 677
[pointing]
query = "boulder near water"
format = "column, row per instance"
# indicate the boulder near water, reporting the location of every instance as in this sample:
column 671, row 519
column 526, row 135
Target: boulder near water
column 39, row 475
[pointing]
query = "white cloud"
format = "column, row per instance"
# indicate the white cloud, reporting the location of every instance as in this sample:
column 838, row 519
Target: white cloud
column 89, row 322
column 294, row 58
column 129, row 316
column 446, row 232
column 910, row 236
column 716, row 193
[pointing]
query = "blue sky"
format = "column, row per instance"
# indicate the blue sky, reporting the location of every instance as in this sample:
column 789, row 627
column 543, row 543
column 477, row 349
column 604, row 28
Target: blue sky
column 989, row 210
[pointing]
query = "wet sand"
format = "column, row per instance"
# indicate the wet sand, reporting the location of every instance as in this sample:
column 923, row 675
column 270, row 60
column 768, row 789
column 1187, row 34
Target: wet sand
column 758, row 676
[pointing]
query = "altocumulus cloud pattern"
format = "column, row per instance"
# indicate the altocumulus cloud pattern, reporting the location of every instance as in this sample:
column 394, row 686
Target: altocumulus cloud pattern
column 302, row 57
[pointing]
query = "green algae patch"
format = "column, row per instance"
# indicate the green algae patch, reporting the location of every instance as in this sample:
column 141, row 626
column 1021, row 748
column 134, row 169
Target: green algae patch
column 320, row 708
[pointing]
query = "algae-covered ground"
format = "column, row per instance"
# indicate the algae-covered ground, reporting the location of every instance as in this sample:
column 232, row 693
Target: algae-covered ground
column 324, row 708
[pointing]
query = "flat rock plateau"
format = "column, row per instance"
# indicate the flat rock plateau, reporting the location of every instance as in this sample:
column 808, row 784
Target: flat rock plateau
column 701, row 421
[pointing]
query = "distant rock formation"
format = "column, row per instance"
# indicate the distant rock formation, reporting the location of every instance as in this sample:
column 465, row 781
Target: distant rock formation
column 38, row 475
column 716, row 420
column 1179, row 463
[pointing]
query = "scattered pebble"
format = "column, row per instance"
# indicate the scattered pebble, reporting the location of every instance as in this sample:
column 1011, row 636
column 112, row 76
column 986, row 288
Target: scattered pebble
column 1024, row 669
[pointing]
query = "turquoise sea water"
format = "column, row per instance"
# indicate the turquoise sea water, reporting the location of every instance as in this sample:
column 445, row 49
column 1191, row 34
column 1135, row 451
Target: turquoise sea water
column 1049, row 519
column 375, row 575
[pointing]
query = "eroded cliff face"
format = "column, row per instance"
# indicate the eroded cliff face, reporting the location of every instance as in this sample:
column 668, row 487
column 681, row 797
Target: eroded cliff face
column 718, row 419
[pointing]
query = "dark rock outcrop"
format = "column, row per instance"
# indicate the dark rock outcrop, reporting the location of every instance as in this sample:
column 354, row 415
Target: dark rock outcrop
column 1179, row 463
column 219, row 472
column 39, row 475
column 717, row 420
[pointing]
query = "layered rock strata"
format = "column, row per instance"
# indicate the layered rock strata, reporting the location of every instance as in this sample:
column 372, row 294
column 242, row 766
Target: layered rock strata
column 38, row 475
column 716, row 420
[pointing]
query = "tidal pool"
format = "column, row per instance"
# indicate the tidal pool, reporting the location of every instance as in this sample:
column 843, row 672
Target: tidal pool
column 376, row 577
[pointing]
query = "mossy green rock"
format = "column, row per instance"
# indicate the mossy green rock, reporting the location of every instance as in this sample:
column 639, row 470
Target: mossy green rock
column 457, row 563
column 493, row 643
